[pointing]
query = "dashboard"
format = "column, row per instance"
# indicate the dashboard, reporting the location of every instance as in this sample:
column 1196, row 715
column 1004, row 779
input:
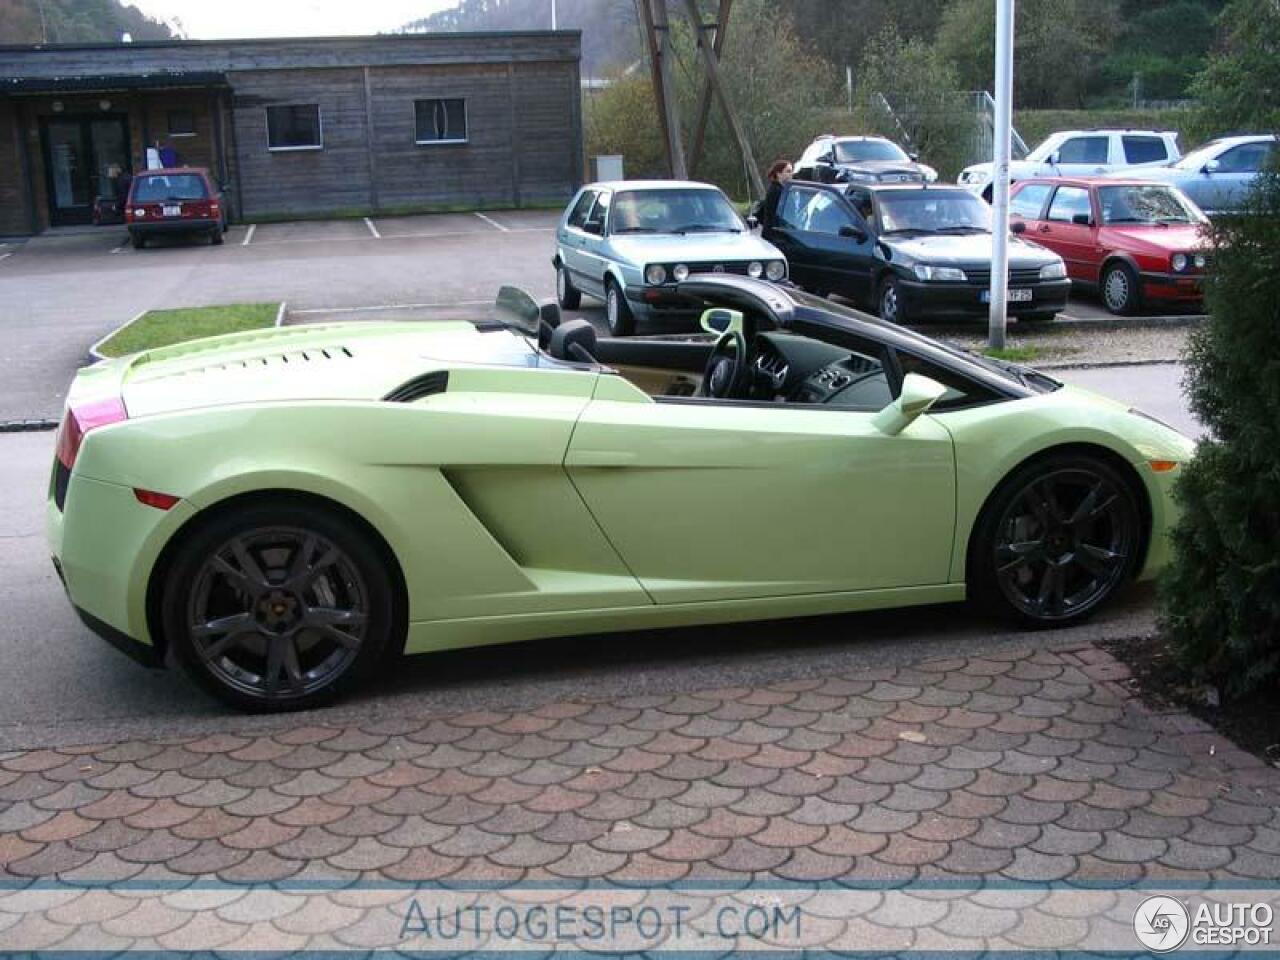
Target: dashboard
column 794, row 369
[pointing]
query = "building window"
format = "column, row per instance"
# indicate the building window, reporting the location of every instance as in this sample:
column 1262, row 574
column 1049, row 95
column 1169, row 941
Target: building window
column 440, row 120
column 182, row 123
column 295, row 126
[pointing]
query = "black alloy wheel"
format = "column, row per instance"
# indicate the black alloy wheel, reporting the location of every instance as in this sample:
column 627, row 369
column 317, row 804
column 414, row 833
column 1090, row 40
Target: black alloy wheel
column 1057, row 540
column 278, row 607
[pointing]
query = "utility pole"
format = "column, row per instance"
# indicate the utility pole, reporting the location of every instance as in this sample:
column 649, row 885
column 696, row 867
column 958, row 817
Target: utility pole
column 653, row 17
column 553, row 14
column 703, row 111
column 996, row 321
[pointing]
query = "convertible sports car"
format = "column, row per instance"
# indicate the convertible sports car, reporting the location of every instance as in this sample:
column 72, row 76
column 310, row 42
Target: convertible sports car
column 281, row 512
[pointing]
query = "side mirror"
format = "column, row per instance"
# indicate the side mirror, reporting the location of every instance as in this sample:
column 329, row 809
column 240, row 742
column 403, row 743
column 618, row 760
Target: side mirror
column 753, row 222
column 827, row 158
column 594, row 226
column 1082, row 219
column 1054, row 158
column 1210, row 166
column 1018, row 226
column 853, row 233
column 719, row 321
column 914, row 156
column 918, row 395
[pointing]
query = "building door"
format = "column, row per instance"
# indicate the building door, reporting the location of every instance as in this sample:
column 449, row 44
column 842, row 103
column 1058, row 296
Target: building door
column 80, row 155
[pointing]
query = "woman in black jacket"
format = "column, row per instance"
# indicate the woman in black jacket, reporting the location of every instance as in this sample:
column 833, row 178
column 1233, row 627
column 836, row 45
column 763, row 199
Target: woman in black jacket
column 778, row 175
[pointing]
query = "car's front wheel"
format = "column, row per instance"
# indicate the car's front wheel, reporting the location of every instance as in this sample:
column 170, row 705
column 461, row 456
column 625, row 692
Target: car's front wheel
column 1120, row 292
column 567, row 294
column 622, row 322
column 279, row 606
column 891, row 306
column 1056, row 540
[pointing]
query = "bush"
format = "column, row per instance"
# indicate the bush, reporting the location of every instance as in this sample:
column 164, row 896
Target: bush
column 1221, row 596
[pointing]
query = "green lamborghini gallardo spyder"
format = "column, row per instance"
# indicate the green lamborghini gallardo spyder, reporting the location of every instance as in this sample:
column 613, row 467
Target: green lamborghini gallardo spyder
column 282, row 512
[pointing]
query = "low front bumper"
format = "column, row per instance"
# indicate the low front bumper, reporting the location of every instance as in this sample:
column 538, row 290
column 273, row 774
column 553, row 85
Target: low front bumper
column 664, row 301
column 1173, row 286
column 156, row 228
column 959, row 300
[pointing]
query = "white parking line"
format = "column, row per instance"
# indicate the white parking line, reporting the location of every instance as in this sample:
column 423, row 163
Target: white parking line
column 388, row 306
column 491, row 222
column 248, row 235
column 119, row 248
column 3, row 255
column 372, row 229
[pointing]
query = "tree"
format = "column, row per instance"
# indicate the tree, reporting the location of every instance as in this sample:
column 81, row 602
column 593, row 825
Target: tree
column 1058, row 46
column 1221, row 595
column 75, row 21
column 1239, row 88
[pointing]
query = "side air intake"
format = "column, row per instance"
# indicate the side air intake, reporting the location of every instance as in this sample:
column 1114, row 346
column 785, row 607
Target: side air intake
column 423, row 385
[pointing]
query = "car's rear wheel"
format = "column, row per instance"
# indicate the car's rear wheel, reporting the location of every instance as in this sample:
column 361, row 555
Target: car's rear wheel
column 216, row 237
column 567, row 294
column 279, row 606
column 622, row 322
column 1057, row 539
column 1120, row 291
column 891, row 306
column 139, row 241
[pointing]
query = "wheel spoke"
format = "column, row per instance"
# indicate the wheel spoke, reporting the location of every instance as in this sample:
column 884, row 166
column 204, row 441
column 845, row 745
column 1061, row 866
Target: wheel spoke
column 302, row 572
column 275, row 664
column 1050, row 597
column 1099, row 561
column 292, row 669
column 1018, row 554
column 223, row 625
column 250, row 571
column 213, row 651
column 344, row 640
column 328, row 616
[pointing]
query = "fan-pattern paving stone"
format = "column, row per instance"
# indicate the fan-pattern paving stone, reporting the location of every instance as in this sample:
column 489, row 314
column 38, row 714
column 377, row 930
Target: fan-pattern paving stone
column 1035, row 766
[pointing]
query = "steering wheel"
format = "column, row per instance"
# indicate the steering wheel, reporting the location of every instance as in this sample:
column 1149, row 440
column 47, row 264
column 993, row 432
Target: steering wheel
column 726, row 373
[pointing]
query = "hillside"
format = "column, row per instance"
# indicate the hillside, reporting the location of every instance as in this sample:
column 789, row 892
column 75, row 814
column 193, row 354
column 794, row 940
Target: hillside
column 75, row 21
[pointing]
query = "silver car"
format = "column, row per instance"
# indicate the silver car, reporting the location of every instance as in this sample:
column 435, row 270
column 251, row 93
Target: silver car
column 631, row 243
column 1219, row 175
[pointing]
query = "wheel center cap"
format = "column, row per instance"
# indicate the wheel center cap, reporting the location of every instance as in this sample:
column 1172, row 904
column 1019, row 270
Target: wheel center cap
column 278, row 611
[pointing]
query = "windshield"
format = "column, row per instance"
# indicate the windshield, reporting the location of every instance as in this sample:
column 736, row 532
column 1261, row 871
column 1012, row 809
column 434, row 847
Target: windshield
column 933, row 211
column 1198, row 157
column 858, row 151
column 1146, row 204
column 677, row 210
column 171, row 186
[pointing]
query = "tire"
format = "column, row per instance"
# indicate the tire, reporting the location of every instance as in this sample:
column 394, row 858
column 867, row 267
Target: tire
column 988, row 194
column 1121, row 293
column 139, row 241
column 238, row 565
column 1055, row 541
column 889, row 305
column 216, row 237
column 622, row 322
column 567, row 295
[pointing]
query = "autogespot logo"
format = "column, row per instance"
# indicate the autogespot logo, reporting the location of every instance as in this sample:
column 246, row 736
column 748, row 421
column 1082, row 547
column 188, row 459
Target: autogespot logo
column 1161, row 924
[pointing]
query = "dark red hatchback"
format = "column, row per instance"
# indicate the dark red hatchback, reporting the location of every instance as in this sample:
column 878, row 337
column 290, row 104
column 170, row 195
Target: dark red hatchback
column 176, row 200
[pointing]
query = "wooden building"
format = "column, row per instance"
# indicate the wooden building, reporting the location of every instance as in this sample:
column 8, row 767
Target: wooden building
column 296, row 127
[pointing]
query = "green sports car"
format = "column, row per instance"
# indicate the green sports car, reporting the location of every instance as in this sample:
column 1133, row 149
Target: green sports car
column 282, row 512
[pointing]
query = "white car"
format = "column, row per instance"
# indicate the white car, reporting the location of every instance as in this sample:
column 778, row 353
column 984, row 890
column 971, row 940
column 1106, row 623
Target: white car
column 1082, row 153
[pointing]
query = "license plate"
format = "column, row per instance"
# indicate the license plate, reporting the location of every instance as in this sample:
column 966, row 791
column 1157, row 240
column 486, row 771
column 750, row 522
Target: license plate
column 172, row 210
column 1016, row 295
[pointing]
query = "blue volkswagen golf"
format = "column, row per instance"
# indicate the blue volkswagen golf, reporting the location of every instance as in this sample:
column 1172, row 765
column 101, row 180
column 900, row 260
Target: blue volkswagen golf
column 630, row 242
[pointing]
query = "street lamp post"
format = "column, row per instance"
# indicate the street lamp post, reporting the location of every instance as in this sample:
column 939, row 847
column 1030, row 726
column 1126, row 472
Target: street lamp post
column 1000, row 175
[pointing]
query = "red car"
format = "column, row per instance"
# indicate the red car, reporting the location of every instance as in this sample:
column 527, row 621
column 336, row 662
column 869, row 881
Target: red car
column 1132, row 240
column 174, row 200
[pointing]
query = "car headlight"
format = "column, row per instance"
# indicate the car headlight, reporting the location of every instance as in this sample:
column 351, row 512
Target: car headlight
column 680, row 272
column 975, row 176
column 926, row 271
column 1200, row 261
column 1179, row 262
column 1054, row 271
column 655, row 274
column 930, row 174
column 755, row 268
column 776, row 270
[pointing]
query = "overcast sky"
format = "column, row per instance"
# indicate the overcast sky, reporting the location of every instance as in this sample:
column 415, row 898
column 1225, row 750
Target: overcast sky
column 220, row 19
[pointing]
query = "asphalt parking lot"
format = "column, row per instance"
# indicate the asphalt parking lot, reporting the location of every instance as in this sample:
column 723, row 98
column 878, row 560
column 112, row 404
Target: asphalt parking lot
column 62, row 291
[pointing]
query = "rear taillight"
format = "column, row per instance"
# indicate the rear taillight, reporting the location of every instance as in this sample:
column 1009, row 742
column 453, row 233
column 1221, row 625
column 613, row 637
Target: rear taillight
column 79, row 420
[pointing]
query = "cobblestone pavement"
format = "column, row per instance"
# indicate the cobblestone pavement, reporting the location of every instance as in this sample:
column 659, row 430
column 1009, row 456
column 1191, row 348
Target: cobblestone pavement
column 1035, row 765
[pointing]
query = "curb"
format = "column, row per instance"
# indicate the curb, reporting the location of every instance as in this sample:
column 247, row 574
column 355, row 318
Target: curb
column 1098, row 364
column 94, row 354
column 1130, row 323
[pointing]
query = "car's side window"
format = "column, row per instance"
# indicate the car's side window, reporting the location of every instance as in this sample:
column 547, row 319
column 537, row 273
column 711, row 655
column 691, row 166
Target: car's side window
column 1068, row 202
column 1083, row 150
column 1144, row 149
column 1029, row 201
column 578, row 215
column 826, row 214
column 860, row 199
column 1246, row 158
column 791, row 212
column 600, row 212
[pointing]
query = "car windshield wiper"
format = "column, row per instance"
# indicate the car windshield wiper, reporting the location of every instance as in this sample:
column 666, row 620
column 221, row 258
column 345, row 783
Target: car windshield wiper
column 635, row 230
column 968, row 228
column 907, row 230
column 705, row 228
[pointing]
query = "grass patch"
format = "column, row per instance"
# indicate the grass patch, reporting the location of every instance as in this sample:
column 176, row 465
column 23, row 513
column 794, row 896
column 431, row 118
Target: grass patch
column 1015, row 354
column 161, row 328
